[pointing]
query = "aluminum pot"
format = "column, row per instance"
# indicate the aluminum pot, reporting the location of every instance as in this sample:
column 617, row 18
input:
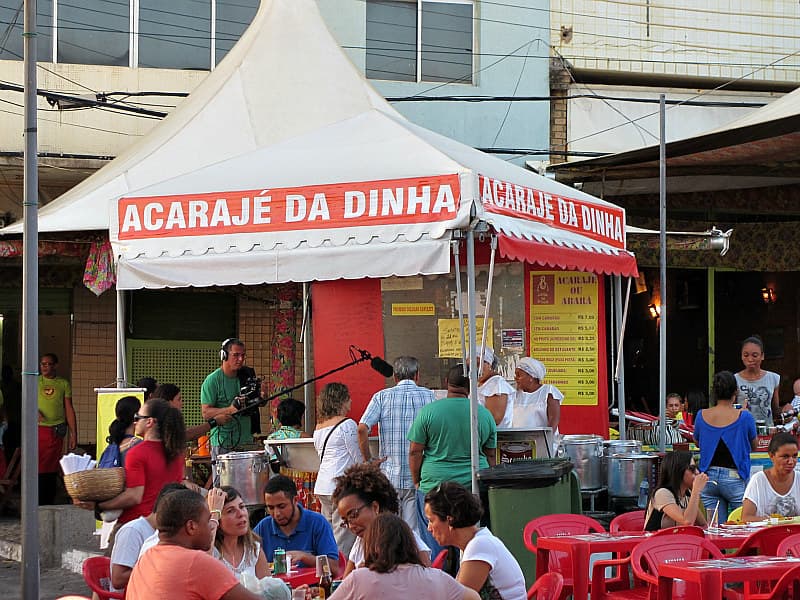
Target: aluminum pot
column 626, row 473
column 248, row 472
column 585, row 452
column 611, row 447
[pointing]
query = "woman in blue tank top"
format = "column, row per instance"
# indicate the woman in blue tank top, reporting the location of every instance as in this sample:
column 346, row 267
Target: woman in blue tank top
column 725, row 436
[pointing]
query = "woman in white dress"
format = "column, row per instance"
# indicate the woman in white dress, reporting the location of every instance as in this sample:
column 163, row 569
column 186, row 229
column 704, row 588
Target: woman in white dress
column 494, row 392
column 336, row 442
column 536, row 404
column 235, row 544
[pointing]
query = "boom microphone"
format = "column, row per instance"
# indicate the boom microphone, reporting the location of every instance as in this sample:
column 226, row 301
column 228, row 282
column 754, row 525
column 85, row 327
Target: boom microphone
column 381, row 366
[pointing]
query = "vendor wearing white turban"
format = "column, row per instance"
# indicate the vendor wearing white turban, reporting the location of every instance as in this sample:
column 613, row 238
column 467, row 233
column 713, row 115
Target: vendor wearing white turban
column 535, row 404
column 494, row 392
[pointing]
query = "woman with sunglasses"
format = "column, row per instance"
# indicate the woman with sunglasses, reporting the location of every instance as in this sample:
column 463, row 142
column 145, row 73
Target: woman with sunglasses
column 362, row 493
column 235, row 544
column 676, row 499
column 774, row 491
column 151, row 464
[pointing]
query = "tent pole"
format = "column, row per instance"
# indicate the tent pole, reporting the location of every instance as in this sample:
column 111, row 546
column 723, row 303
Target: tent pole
column 488, row 300
column 306, row 337
column 30, row 318
column 473, row 372
column 454, row 245
column 122, row 367
column 613, row 338
column 619, row 373
column 662, row 330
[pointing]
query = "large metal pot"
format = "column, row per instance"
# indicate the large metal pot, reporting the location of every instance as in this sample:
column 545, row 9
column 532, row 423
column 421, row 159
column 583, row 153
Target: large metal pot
column 612, row 447
column 585, row 452
column 248, row 472
column 626, row 473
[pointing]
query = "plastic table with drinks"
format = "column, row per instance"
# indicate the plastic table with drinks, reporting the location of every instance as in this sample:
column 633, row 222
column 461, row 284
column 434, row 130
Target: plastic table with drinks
column 581, row 547
column 296, row 577
column 713, row 574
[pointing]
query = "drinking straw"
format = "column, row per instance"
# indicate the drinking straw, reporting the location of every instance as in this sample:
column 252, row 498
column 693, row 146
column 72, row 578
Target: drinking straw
column 714, row 521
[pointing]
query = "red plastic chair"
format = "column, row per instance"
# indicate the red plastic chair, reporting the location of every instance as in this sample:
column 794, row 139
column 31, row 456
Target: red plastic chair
column 790, row 546
column 97, row 575
column 557, row 525
column 654, row 551
column 788, row 586
column 438, row 562
column 618, row 586
column 630, row 521
column 765, row 542
column 547, row 587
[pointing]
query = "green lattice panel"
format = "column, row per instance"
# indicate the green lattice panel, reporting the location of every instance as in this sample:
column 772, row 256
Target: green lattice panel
column 184, row 363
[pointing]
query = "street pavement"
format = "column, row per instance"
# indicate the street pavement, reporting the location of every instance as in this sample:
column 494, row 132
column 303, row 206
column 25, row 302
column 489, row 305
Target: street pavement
column 53, row 583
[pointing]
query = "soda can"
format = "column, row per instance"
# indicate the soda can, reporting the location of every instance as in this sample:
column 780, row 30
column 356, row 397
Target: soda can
column 335, row 584
column 279, row 566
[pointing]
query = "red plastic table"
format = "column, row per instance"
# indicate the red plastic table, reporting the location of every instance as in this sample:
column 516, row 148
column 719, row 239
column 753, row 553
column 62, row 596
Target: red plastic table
column 306, row 575
column 581, row 547
column 713, row 574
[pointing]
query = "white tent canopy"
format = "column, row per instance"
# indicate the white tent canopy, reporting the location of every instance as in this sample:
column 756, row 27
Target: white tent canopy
column 286, row 122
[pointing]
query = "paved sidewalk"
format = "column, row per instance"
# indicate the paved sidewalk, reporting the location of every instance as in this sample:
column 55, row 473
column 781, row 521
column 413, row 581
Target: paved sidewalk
column 53, row 583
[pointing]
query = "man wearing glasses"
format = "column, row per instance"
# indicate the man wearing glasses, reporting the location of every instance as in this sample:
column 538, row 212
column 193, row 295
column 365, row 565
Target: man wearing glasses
column 56, row 421
column 216, row 399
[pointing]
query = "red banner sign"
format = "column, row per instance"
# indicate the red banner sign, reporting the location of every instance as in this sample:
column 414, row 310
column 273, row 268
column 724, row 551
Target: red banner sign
column 602, row 223
column 387, row 202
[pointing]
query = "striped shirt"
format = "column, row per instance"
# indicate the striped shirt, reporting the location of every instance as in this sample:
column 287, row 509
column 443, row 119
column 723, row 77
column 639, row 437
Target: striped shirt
column 394, row 410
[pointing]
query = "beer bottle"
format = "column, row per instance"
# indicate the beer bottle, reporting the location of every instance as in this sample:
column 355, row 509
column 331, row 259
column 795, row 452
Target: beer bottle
column 325, row 581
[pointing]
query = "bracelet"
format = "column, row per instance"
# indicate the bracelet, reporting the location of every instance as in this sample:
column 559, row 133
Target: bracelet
column 218, row 511
column 214, row 521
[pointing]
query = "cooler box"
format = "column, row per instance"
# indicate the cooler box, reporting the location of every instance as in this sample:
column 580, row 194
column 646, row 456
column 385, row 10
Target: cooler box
column 518, row 492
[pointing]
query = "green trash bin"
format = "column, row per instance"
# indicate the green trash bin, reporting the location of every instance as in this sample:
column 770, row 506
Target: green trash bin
column 518, row 492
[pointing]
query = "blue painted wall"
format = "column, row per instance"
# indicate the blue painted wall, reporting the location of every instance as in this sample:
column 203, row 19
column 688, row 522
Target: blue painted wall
column 501, row 30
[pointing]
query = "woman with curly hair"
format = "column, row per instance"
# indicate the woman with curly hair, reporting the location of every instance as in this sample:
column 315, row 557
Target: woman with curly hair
column 235, row 544
column 336, row 442
column 151, row 464
column 361, row 494
column 393, row 568
column 486, row 564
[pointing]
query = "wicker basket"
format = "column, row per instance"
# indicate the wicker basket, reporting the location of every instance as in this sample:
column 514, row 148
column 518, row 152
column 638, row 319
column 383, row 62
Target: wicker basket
column 95, row 485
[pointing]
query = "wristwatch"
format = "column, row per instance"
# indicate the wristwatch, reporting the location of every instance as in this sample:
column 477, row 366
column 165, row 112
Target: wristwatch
column 212, row 422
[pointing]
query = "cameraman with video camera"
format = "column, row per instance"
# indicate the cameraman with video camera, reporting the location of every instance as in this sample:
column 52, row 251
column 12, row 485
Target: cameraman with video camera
column 222, row 395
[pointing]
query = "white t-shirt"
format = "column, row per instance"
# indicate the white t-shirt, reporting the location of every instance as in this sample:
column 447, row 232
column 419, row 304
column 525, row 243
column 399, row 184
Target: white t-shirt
column 761, row 493
column 341, row 452
column 504, row 571
column 494, row 386
column 406, row 581
column 128, row 542
column 246, row 565
column 149, row 543
column 357, row 551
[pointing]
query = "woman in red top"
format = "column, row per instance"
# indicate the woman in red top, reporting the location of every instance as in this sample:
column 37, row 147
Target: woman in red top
column 158, row 460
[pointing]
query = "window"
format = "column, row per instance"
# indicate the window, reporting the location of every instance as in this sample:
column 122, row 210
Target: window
column 175, row 34
column 94, row 32
column 11, row 16
column 419, row 40
column 233, row 17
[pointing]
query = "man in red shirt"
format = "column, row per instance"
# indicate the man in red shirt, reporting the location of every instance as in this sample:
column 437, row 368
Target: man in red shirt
column 179, row 568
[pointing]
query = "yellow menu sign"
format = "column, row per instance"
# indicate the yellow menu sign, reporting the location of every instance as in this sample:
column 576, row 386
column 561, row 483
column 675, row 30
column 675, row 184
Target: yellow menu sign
column 450, row 339
column 563, row 331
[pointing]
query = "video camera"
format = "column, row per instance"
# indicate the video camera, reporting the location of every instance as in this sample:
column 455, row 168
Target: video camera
column 249, row 394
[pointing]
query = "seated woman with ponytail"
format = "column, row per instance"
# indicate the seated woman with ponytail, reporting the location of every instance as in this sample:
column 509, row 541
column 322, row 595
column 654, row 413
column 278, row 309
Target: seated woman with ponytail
column 120, row 433
column 150, row 464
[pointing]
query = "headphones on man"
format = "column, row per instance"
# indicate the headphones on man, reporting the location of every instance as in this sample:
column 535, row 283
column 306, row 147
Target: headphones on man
column 226, row 345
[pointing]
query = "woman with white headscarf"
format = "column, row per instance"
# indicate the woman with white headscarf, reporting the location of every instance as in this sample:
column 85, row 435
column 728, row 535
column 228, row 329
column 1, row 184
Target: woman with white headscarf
column 494, row 392
column 535, row 404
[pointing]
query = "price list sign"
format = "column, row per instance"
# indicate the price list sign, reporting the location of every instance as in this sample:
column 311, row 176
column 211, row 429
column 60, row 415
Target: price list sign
column 563, row 330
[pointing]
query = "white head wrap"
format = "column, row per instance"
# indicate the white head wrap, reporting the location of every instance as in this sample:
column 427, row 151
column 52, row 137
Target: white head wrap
column 532, row 367
column 488, row 355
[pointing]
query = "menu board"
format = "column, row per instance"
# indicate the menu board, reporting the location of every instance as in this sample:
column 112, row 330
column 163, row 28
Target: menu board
column 563, row 330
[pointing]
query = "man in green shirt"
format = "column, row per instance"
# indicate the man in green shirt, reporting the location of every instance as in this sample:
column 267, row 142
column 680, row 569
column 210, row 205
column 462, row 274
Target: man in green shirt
column 56, row 421
column 216, row 403
column 440, row 444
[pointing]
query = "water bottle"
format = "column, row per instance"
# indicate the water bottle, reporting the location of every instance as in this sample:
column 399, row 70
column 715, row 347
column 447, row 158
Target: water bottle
column 644, row 492
column 279, row 566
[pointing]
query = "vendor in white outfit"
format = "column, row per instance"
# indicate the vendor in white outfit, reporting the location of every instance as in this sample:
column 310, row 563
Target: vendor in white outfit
column 535, row 404
column 774, row 491
column 494, row 392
